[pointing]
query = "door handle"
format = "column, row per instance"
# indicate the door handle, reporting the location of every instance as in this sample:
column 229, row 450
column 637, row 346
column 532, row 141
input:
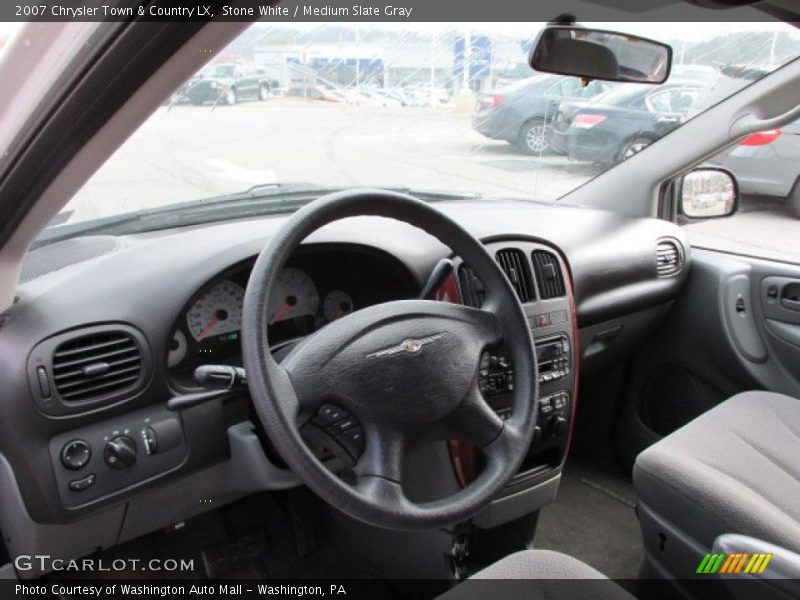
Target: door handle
column 790, row 296
column 790, row 304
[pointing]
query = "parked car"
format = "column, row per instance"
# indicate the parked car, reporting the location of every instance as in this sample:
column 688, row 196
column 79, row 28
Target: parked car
column 767, row 164
column 523, row 112
column 228, row 83
column 372, row 97
column 315, row 92
column 621, row 122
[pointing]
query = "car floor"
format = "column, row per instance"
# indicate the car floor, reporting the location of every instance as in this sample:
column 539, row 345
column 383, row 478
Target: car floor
column 593, row 519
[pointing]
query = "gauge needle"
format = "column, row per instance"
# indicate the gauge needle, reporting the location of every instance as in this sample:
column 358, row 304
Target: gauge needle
column 211, row 324
column 279, row 312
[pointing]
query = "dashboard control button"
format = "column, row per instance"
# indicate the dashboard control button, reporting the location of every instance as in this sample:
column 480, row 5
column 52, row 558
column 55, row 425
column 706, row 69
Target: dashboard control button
column 75, row 454
column 120, row 452
column 44, row 382
column 557, row 425
column 537, row 435
column 150, row 440
column 78, row 485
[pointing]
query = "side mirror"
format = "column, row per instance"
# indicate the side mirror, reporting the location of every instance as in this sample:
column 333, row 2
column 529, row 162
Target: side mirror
column 599, row 54
column 708, row 193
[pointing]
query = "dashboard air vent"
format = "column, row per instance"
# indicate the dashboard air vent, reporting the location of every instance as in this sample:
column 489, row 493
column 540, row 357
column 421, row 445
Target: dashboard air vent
column 549, row 277
column 96, row 365
column 515, row 266
column 472, row 291
column 669, row 258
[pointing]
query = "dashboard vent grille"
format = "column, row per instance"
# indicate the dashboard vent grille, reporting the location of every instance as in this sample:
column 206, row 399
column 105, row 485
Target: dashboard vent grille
column 669, row 258
column 472, row 291
column 96, row 365
column 515, row 266
column 549, row 277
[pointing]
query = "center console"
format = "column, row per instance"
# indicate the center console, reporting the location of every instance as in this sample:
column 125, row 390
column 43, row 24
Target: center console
column 541, row 280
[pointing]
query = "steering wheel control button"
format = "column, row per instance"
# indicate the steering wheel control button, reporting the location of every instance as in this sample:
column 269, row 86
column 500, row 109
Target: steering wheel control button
column 329, row 414
column 342, row 426
column 120, row 452
column 149, row 440
column 353, row 441
column 79, row 485
column 75, row 454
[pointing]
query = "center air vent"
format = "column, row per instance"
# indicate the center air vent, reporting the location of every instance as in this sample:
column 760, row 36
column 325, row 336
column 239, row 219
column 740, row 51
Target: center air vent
column 96, row 365
column 515, row 266
column 669, row 258
column 549, row 277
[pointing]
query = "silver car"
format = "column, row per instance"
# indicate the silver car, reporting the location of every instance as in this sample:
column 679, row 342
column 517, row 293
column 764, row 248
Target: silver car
column 767, row 163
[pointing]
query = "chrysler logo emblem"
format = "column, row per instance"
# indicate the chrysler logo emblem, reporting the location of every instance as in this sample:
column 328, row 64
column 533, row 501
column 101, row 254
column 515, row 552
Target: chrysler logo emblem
column 410, row 346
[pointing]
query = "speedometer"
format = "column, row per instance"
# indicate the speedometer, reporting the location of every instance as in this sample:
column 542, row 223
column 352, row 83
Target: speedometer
column 294, row 295
column 217, row 311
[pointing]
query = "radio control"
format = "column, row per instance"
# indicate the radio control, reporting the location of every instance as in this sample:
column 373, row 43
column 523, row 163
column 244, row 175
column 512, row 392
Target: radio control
column 496, row 375
column 552, row 355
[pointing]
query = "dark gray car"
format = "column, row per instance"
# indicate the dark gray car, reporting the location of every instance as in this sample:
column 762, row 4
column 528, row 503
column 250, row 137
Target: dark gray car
column 228, row 83
column 522, row 112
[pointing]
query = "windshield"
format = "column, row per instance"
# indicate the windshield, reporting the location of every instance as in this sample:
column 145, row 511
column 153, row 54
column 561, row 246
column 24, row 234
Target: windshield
column 222, row 71
column 418, row 106
column 623, row 94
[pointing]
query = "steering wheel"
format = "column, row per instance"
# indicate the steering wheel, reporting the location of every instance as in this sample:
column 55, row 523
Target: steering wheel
column 406, row 370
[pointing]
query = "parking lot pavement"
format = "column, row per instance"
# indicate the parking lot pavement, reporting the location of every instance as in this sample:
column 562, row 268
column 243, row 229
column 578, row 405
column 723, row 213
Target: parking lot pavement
column 188, row 152
column 767, row 232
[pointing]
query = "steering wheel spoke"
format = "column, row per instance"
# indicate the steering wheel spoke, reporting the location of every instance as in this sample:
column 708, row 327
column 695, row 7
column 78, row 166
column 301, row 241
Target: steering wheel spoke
column 486, row 326
column 474, row 421
column 511, row 442
column 383, row 455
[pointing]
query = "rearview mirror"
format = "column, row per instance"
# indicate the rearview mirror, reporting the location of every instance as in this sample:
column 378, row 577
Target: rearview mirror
column 598, row 54
column 708, row 193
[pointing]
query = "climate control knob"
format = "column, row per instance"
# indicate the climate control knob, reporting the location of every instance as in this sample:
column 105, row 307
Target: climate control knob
column 120, row 452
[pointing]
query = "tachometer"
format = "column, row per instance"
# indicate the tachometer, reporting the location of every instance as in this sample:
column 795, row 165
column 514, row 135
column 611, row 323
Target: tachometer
column 336, row 305
column 294, row 295
column 217, row 311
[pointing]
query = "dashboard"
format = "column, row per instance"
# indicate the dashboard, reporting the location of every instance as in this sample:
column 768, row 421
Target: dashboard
column 107, row 329
column 319, row 285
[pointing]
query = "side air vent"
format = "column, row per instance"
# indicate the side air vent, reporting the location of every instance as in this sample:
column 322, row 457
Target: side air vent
column 515, row 266
column 548, row 273
column 96, row 365
column 472, row 291
column 669, row 258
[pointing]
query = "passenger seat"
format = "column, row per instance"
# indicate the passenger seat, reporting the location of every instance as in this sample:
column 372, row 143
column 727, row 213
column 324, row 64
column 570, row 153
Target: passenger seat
column 734, row 469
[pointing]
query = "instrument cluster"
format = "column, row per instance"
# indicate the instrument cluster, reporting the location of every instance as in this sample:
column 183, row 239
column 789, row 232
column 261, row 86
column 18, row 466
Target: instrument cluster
column 314, row 289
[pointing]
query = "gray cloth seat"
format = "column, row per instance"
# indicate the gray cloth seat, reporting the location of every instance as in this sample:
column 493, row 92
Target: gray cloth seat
column 734, row 469
column 535, row 575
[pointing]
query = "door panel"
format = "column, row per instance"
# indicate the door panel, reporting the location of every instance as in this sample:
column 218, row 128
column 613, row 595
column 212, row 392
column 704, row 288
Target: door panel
column 735, row 327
